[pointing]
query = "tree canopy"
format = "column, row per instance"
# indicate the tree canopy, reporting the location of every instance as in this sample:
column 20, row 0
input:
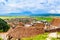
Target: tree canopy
column 3, row 26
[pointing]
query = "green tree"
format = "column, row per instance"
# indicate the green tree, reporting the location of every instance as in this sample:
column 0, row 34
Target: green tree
column 3, row 26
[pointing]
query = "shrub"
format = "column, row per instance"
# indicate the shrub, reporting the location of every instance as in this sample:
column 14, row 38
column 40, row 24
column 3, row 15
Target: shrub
column 3, row 25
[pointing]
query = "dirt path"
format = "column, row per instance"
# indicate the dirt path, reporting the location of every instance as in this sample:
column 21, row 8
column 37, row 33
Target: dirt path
column 53, row 35
column 4, row 35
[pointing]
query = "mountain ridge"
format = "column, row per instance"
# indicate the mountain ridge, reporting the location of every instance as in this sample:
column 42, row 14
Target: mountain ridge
column 28, row 14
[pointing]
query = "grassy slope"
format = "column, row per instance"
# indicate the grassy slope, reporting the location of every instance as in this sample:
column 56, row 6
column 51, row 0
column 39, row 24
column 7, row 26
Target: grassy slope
column 38, row 37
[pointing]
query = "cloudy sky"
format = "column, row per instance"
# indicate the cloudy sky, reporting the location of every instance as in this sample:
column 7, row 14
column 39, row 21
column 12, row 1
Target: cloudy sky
column 33, row 6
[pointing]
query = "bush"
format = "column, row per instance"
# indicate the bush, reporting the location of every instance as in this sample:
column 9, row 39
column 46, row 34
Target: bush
column 3, row 25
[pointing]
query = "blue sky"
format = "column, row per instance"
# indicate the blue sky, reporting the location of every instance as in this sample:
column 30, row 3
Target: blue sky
column 33, row 6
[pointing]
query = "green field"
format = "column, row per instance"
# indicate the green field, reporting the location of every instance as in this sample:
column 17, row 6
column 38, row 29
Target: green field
column 38, row 37
column 49, row 19
column 9, row 17
column 36, row 17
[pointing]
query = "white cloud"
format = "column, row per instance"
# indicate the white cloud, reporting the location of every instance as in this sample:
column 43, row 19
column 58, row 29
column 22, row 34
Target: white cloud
column 32, row 5
column 58, row 11
column 52, row 11
column 12, row 5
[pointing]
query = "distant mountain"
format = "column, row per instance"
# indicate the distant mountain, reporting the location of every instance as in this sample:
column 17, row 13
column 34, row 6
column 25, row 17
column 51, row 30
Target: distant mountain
column 29, row 14
column 15, row 14
column 25, row 13
column 47, row 14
